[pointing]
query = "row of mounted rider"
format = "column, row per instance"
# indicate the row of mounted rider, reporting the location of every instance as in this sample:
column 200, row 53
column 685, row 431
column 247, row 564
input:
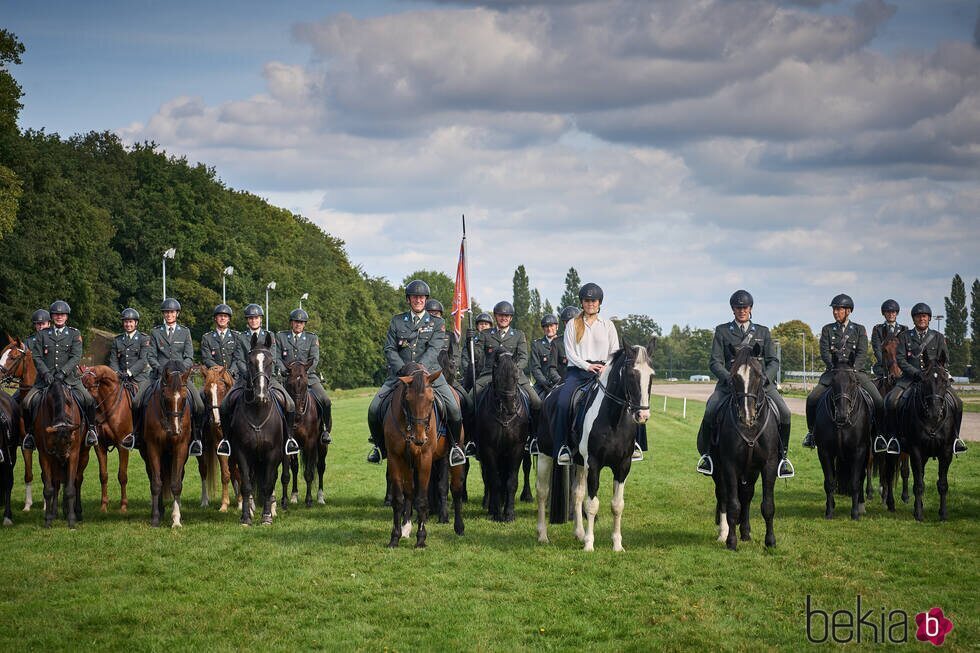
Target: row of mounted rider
column 495, row 407
column 138, row 358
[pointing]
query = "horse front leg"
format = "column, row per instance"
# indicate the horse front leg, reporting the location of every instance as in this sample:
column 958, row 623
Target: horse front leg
column 721, row 504
column 309, row 471
column 545, row 464
column 513, row 470
column 617, row 505
column 71, row 490
column 285, row 481
column 294, row 495
column 28, row 478
column 179, row 459
column 102, row 454
column 592, row 506
column 457, row 482
column 857, row 487
column 422, row 493
column 746, row 490
column 942, row 483
column 580, row 487
column 918, row 481
column 904, row 469
column 269, row 491
column 49, row 492
column 225, row 480
column 769, row 502
column 394, row 475
column 526, row 496
column 829, row 481
column 321, row 467
column 204, row 463
column 123, row 477
column 245, row 486
column 734, row 508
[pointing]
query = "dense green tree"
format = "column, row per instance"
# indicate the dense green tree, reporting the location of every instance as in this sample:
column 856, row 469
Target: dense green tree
column 441, row 286
column 975, row 327
column 522, row 301
column 572, row 285
column 791, row 337
column 956, row 318
column 637, row 329
column 547, row 309
column 10, row 106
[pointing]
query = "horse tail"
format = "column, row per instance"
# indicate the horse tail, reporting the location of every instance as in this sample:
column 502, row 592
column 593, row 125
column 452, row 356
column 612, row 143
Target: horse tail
column 213, row 474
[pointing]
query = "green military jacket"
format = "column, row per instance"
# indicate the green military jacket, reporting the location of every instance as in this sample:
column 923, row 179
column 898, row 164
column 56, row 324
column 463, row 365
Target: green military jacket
column 729, row 338
column 240, row 360
column 408, row 341
column 843, row 340
column 879, row 333
column 178, row 348
column 217, row 349
column 542, row 371
column 492, row 340
column 304, row 348
column 911, row 350
column 132, row 355
column 58, row 353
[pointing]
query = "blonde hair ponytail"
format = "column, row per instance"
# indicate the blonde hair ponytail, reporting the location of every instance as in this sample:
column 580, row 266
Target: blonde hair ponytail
column 579, row 323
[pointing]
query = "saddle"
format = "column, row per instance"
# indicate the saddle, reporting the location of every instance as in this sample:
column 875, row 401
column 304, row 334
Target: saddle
column 582, row 397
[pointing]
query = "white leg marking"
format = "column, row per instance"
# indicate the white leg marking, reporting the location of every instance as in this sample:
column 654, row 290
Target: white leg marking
column 722, row 527
column 29, row 498
column 7, row 521
column 275, row 512
column 176, row 514
column 580, row 484
column 545, row 464
column 294, row 498
column 319, row 497
column 591, row 510
column 618, row 503
column 4, row 358
column 407, row 528
column 205, row 499
column 176, row 416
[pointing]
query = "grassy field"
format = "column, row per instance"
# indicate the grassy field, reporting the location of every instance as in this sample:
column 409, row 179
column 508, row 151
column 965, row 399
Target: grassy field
column 321, row 578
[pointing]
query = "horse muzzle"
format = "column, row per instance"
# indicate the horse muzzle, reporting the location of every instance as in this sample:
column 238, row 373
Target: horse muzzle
column 641, row 416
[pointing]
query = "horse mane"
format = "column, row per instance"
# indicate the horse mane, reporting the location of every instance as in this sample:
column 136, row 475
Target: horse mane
column 418, row 381
column 743, row 356
column 170, row 375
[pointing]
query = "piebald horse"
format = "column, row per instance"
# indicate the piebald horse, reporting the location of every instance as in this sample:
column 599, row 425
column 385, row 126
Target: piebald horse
column 621, row 402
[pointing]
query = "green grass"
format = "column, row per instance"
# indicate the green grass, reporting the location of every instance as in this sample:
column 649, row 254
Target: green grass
column 321, row 578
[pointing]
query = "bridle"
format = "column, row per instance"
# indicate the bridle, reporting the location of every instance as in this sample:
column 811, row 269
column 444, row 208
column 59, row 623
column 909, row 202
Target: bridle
column 849, row 401
column 16, row 372
column 411, row 421
column 117, row 397
column 174, row 415
column 749, row 433
column 508, row 410
column 626, row 401
column 935, row 399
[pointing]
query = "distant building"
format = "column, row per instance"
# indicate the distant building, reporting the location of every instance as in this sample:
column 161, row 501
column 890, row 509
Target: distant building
column 700, row 378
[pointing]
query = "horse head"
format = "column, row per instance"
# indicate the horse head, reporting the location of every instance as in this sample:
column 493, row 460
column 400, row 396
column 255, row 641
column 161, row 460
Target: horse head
column 889, row 351
column 297, row 383
column 417, row 404
column 638, row 379
column 505, row 380
column 844, row 392
column 260, row 365
column 748, row 384
column 16, row 362
column 935, row 386
column 173, row 395
column 60, row 426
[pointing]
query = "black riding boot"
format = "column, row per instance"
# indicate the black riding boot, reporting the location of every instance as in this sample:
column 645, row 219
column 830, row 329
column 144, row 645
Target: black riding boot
column 130, row 440
column 91, row 438
column 785, row 466
column 28, row 443
column 705, row 464
column 456, row 455
column 197, row 442
column 292, row 446
column 377, row 439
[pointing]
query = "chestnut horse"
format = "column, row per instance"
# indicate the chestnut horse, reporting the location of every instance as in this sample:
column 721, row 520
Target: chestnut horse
column 166, row 439
column 114, row 415
column 17, row 364
column 307, row 433
column 59, row 433
column 413, row 445
column 217, row 383
column 889, row 349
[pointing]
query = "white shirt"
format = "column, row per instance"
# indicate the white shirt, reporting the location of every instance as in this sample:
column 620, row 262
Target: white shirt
column 598, row 343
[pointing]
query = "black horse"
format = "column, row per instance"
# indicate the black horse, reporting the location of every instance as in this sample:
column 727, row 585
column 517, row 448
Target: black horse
column 929, row 422
column 9, row 438
column 842, row 431
column 257, row 430
column 608, row 432
column 503, row 420
column 748, row 445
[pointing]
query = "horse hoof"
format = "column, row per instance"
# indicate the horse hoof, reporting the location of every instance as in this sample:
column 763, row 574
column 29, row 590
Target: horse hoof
column 393, row 544
column 176, row 524
column 458, row 528
column 293, row 498
column 47, row 523
column 588, row 547
column 509, row 517
column 7, row 521
column 104, row 508
column 27, row 507
column 862, row 509
column 771, row 542
column 223, row 508
column 267, row 521
column 905, row 499
column 420, row 545
column 746, row 538
column 543, row 539
column 124, row 509
column 527, row 498
column 205, row 504
column 387, row 502
column 321, row 502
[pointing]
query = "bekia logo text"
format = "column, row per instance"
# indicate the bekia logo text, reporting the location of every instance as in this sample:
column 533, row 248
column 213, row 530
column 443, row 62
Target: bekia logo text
column 879, row 626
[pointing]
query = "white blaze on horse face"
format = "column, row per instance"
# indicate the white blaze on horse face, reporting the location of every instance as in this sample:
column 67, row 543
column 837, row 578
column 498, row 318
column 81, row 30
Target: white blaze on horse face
column 260, row 357
column 646, row 373
column 214, row 404
column 745, row 372
column 593, row 413
column 4, row 358
column 176, row 416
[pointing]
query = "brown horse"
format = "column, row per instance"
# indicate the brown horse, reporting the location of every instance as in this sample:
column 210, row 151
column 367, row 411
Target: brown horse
column 58, row 430
column 889, row 350
column 114, row 415
column 9, row 437
column 217, row 383
column 17, row 364
column 413, row 446
column 166, row 439
column 307, row 432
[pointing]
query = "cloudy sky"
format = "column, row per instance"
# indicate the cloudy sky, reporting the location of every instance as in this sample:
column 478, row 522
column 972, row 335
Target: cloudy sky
column 671, row 151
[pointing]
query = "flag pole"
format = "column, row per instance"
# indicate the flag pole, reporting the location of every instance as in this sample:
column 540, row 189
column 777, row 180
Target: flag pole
column 469, row 307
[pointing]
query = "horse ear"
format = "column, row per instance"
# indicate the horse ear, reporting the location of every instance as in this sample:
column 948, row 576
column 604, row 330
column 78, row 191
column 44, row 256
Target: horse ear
column 432, row 377
column 255, row 340
column 11, row 339
column 834, row 358
column 308, row 365
column 184, row 375
column 651, row 345
column 407, row 380
column 757, row 349
column 850, row 359
column 268, row 340
column 942, row 358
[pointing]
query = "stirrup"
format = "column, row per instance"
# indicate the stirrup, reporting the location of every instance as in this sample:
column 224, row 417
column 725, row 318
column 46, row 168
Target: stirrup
column 375, row 456
column 881, row 445
column 28, row 443
column 469, row 448
column 564, row 456
column 705, row 466
column 91, row 439
column 128, row 442
column 637, row 453
column 196, row 449
column 325, row 437
column 808, row 441
column 224, row 448
column 292, row 446
column 894, row 448
column 456, row 456
column 785, row 469
column 959, row 446
column 532, row 447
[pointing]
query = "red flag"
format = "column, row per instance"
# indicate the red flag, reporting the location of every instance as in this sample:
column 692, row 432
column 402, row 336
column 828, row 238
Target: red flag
column 461, row 297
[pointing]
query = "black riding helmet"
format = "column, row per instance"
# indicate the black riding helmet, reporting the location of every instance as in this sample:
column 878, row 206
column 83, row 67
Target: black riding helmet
column 417, row 287
column 170, row 304
column 40, row 315
column 842, row 301
column 921, row 309
column 59, row 306
column 484, row 317
column 433, row 305
column 222, row 309
column 741, row 299
column 299, row 315
column 590, row 291
column 548, row 320
column 254, row 310
column 569, row 313
column 889, row 305
column 503, row 308
column 130, row 314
